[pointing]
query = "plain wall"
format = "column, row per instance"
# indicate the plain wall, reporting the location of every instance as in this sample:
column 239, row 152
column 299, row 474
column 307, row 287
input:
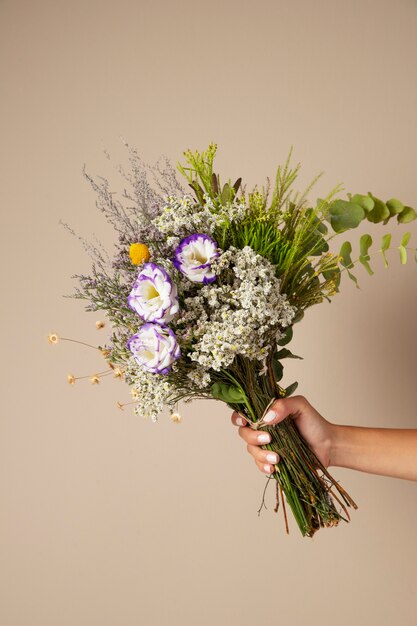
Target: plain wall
column 107, row 519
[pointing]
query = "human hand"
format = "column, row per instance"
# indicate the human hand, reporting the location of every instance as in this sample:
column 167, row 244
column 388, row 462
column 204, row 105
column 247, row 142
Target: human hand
column 315, row 429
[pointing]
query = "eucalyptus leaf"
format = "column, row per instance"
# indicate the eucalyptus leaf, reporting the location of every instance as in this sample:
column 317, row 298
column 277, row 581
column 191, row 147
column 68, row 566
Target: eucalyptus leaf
column 403, row 255
column 365, row 262
column 385, row 244
column 345, row 252
column 366, row 202
column 364, row 244
column 407, row 215
column 353, row 278
column 394, row 206
column 405, row 239
column 379, row 213
column 345, row 215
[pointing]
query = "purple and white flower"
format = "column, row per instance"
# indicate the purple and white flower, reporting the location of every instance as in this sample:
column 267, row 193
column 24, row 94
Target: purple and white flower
column 193, row 258
column 155, row 348
column 154, row 296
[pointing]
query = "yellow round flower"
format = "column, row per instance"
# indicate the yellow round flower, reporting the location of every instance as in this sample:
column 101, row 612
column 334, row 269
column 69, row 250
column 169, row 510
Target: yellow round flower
column 139, row 252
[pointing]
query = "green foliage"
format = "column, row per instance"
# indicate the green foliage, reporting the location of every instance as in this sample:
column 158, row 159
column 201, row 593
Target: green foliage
column 345, row 254
column 292, row 234
column 290, row 389
column 379, row 213
column 394, row 206
column 385, row 244
column 230, row 394
column 407, row 215
column 344, row 215
column 366, row 202
column 287, row 337
column 284, row 353
column 364, row 244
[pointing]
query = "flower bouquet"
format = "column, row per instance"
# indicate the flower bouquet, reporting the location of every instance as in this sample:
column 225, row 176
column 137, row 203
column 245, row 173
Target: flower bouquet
column 205, row 288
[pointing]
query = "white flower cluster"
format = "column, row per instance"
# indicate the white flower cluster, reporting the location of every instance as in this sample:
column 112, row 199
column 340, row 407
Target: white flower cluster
column 152, row 391
column 237, row 317
column 200, row 377
column 183, row 216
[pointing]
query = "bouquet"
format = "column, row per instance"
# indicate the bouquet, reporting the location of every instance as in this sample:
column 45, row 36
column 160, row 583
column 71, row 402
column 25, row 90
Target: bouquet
column 205, row 287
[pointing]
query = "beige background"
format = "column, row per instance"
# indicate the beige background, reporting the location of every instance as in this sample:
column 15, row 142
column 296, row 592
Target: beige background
column 107, row 519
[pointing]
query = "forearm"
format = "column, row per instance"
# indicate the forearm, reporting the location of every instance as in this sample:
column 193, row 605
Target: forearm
column 385, row 451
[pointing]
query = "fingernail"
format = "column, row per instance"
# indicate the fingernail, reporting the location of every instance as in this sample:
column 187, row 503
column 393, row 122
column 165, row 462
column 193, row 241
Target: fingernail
column 269, row 416
column 272, row 458
column 264, row 438
column 240, row 421
column 268, row 469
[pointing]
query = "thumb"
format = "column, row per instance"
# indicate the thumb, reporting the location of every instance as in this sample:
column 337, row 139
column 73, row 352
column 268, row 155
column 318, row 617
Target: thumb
column 284, row 407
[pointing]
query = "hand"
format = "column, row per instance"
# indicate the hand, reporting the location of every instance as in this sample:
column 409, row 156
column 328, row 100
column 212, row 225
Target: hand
column 316, row 430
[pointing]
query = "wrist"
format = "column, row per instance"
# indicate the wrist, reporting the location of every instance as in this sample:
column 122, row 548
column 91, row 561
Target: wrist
column 338, row 445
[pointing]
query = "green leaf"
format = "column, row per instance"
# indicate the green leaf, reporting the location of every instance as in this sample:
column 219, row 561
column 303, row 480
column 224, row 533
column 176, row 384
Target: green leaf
column 394, row 206
column 366, row 202
column 290, row 389
column 403, row 254
column 278, row 369
column 353, row 277
column 365, row 262
column 386, row 242
column 345, row 215
column 237, row 185
column 225, row 194
column 284, row 353
column 215, row 183
column 364, row 244
column 286, row 338
column 379, row 213
column 345, row 252
column 228, row 393
column 298, row 316
column 405, row 239
column 408, row 214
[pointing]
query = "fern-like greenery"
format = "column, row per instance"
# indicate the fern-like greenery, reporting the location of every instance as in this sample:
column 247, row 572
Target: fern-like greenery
column 292, row 234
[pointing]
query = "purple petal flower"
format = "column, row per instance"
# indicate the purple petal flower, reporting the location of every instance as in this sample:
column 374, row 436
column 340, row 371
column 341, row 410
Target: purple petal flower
column 193, row 257
column 154, row 296
column 155, row 348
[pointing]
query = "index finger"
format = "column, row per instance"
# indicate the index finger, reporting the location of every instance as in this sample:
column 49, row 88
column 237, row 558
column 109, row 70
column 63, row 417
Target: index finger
column 238, row 420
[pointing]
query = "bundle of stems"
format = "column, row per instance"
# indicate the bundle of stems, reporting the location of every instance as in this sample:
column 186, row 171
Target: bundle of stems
column 316, row 499
column 308, row 487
